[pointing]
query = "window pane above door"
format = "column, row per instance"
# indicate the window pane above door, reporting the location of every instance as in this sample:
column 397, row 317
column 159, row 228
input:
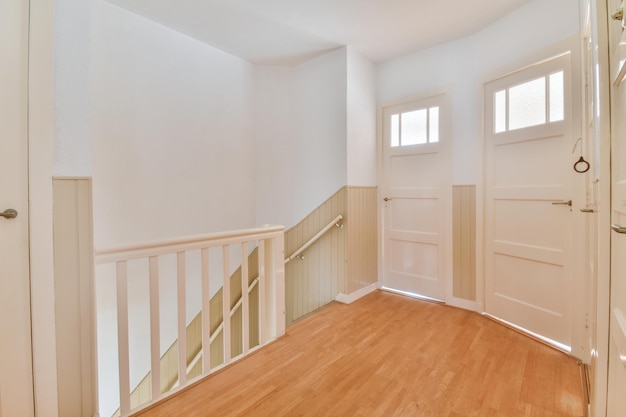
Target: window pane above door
column 415, row 127
column 535, row 102
column 527, row 104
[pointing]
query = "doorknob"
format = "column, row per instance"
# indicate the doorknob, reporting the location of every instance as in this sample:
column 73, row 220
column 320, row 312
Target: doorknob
column 9, row 214
column 563, row 203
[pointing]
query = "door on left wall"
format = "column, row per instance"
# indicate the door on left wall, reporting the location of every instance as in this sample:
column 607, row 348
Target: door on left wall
column 16, row 374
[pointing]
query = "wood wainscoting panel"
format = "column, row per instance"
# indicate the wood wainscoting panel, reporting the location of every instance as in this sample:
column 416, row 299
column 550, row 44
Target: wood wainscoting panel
column 316, row 278
column 362, row 238
column 464, row 241
column 74, row 308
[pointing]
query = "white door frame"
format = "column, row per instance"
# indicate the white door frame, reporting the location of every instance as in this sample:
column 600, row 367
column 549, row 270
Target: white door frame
column 598, row 74
column 41, row 156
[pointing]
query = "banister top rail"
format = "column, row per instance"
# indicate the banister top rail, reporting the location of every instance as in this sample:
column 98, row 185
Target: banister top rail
column 334, row 222
column 166, row 246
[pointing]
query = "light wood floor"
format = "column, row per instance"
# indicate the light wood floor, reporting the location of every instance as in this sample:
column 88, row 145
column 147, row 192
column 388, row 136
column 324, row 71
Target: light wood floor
column 387, row 355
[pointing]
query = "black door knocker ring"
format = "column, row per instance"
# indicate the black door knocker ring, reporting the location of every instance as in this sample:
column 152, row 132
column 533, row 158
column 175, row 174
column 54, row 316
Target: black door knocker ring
column 581, row 165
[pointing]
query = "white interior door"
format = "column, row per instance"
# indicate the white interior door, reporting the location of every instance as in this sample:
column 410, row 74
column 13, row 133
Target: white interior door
column 528, row 274
column 416, row 188
column 16, row 381
column 616, row 404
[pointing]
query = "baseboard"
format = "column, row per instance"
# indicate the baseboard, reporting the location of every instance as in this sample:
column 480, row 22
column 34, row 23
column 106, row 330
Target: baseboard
column 352, row 297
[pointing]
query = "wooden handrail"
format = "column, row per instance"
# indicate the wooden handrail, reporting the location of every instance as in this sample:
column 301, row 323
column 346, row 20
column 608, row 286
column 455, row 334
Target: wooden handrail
column 131, row 251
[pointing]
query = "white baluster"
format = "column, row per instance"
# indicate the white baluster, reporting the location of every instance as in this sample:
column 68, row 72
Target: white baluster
column 122, row 337
column 263, row 337
column 182, row 319
column 206, row 313
column 245, row 305
column 226, row 304
column 155, row 328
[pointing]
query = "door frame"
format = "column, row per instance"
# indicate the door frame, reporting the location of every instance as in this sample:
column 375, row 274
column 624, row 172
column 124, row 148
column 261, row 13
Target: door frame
column 580, row 344
column 41, row 162
column 595, row 15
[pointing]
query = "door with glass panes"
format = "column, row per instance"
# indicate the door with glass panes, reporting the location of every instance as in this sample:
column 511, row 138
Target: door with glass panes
column 416, row 197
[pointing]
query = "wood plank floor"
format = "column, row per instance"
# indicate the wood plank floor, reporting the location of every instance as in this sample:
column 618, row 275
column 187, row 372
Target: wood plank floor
column 388, row 355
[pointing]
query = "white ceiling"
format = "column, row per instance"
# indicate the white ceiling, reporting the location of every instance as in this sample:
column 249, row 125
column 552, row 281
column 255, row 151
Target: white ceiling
column 287, row 32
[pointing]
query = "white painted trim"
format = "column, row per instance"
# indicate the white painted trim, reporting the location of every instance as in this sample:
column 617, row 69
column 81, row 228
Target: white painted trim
column 463, row 303
column 600, row 352
column 41, row 155
column 352, row 297
column 413, row 295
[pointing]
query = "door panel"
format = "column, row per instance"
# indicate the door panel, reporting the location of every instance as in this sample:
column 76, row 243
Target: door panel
column 616, row 404
column 528, row 237
column 417, row 206
column 16, row 384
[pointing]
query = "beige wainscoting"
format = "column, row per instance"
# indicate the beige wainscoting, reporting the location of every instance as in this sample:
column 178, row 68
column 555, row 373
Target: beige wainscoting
column 362, row 238
column 73, row 282
column 341, row 262
column 464, row 241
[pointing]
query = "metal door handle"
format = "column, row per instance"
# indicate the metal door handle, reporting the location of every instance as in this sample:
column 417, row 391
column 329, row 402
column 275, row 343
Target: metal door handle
column 563, row 203
column 619, row 229
column 9, row 214
column 586, row 210
column 618, row 14
column 386, row 199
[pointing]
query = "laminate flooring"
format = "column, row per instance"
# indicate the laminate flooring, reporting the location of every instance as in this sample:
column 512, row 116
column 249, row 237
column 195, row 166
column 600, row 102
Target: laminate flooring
column 389, row 355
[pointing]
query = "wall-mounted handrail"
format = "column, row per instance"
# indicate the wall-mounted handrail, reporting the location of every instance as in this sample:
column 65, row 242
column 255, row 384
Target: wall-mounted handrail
column 333, row 223
column 270, row 286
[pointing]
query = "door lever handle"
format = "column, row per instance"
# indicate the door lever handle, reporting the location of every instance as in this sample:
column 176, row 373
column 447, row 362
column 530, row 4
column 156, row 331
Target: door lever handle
column 586, row 210
column 9, row 214
column 387, row 199
column 619, row 229
column 562, row 203
column 618, row 14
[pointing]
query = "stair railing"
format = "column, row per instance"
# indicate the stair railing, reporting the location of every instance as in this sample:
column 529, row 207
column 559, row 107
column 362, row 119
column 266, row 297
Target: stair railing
column 336, row 222
column 271, row 283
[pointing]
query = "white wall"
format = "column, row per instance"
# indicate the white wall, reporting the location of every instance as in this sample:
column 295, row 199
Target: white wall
column 361, row 119
column 461, row 67
column 72, row 39
column 173, row 155
column 172, row 132
column 300, row 135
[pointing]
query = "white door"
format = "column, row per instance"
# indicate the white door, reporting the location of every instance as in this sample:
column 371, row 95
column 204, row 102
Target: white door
column 616, row 404
column 528, row 161
column 416, row 191
column 16, row 381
